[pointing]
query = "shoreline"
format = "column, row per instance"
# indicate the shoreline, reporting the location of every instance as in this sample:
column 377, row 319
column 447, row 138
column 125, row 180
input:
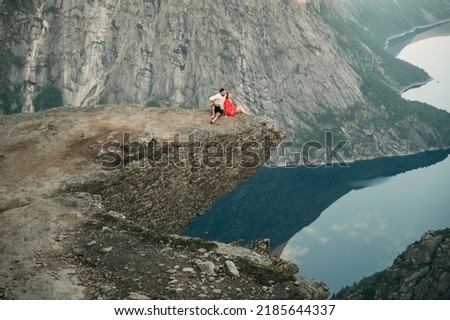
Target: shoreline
column 415, row 85
column 293, row 165
column 412, row 33
column 410, row 37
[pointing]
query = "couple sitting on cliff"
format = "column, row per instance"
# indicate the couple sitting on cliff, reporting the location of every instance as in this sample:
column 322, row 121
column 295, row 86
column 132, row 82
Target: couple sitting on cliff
column 222, row 104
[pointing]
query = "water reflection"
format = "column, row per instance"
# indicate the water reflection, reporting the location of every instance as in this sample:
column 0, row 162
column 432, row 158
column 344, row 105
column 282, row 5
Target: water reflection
column 278, row 203
column 365, row 230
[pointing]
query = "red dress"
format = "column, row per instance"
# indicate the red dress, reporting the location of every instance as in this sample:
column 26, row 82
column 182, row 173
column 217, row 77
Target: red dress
column 230, row 108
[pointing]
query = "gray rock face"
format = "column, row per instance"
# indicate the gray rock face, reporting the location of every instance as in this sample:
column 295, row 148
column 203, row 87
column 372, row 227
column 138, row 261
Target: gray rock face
column 208, row 267
column 137, row 296
column 231, row 267
column 166, row 181
column 421, row 272
column 280, row 58
column 179, row 53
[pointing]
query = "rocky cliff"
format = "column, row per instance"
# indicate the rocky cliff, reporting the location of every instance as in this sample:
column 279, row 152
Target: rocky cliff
column 421, row 272
column 284, row 60
column 92, row 200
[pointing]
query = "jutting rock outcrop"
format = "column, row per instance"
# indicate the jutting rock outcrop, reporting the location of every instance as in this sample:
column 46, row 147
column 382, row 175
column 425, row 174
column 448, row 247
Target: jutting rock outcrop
column 92, row 200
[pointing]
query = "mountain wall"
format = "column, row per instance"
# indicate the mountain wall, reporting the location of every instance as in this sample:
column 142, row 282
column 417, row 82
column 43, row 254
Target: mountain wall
column 178, row 53
column 288, row 61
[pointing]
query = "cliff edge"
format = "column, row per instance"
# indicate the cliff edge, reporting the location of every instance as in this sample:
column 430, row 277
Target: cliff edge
column 92, row 200
column 306, row 65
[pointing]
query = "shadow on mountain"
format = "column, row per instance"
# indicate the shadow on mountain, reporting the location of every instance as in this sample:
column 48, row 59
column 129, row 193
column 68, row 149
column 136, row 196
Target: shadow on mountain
column 279, row 202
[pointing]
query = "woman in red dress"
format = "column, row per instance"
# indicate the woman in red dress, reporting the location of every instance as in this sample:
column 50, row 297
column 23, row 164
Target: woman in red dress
column 230, row 108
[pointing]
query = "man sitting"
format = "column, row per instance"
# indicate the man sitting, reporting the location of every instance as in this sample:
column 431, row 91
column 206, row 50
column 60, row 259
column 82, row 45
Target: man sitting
column 216, row 102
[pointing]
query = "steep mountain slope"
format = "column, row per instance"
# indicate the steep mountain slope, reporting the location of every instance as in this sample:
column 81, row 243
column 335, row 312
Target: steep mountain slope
column 179, row 53
column 286, row 60
column 420, row 272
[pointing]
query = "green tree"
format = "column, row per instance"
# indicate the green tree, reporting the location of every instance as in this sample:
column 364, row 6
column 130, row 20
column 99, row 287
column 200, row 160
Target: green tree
column 50, row 97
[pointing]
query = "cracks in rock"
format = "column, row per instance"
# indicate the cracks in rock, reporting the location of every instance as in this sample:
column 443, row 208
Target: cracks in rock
column 15, row 204
column 430, row 270
column 37, row 39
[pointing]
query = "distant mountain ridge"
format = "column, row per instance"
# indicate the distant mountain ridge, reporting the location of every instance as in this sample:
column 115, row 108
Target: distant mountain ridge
column 387, row 18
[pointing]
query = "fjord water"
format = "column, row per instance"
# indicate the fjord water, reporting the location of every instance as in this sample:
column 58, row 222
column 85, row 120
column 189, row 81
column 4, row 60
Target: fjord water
column 432, row 55
column 338, row 224
column 365, row 230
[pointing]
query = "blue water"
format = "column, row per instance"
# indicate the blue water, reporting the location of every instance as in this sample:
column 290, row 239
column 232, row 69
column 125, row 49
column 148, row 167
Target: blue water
column 339, row 224
column 367, row 229
column 432, row 55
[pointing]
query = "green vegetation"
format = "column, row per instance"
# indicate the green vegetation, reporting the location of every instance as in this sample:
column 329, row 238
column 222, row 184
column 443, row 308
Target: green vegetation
column 361, row 45
column 40, row 67
column 189, row 243
column 363, row 290
column 262, row 273
column 385, row 18
column 12, row 100
column 278, row 53
column 225, row 32
column 11, row 97
column 158, row 102
column 50, row 97
column 378, row 87
column 226, row 58
column 54, row 10
column 7, row 59
column 5, row 62
column 153, row 104
column 102, row 100
column 399, row 109
column 383, row 77
column 230, row 46
column 400, row 274
column 20, row 62
column 20, row 5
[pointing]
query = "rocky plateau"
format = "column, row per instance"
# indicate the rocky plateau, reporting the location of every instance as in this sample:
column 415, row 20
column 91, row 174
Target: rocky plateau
column 77, row 225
